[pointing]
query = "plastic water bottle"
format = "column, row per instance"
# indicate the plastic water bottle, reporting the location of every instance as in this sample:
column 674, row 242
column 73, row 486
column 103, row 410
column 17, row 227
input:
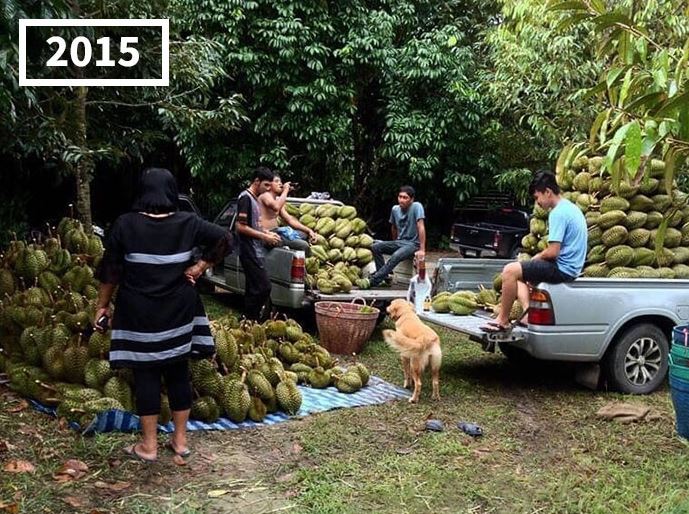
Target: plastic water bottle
column 419, row 287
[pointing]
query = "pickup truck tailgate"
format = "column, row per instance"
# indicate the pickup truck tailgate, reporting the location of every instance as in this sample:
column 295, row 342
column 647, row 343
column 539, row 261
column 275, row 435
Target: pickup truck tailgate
column 471, row 326
column 384, row 294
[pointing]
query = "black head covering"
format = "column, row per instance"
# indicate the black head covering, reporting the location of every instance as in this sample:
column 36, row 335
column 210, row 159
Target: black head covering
column 157, row 192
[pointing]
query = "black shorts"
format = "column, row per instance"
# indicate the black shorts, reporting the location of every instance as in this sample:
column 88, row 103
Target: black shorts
column 540, row 270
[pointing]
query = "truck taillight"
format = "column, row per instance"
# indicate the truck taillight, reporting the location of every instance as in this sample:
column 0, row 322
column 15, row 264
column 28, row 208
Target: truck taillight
column 298, row 269
column 540, row 308
column 496, row 239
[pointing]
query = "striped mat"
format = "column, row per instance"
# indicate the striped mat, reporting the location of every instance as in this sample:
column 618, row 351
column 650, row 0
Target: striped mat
column 313, row 400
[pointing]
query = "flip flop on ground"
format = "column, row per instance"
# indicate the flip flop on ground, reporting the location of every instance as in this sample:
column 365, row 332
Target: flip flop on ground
column 134, row 453
column 171, row 447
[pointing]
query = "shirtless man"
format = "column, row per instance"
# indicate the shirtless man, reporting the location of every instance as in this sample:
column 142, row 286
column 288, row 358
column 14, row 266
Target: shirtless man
column 272, row 204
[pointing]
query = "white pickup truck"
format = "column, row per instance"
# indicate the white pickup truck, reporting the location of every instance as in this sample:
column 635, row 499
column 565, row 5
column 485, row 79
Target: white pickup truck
column 620, row 327
column 286, row 269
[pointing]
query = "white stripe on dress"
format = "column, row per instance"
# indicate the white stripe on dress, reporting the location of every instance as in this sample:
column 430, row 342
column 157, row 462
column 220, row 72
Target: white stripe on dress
column 151, row 258
column 201, row 321
column 122, row 355
column 152, row 337
column 202, row 341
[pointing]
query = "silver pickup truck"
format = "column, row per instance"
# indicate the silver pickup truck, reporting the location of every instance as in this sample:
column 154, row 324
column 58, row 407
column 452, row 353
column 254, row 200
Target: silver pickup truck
column 286, row 271
column 620, row 327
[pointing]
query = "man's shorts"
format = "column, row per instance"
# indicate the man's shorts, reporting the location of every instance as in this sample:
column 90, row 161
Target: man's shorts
column 540, row 270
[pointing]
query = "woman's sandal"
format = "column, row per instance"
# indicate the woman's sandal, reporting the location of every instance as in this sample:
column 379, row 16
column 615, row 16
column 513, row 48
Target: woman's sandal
column 132, row 452
column 172, row 448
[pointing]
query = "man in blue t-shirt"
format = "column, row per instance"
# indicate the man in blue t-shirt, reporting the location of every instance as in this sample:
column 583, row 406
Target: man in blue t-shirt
column 561, row 261
column 408, row 236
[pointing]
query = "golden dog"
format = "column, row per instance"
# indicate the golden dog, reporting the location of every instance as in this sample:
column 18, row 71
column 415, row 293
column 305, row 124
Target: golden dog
column 418, row 345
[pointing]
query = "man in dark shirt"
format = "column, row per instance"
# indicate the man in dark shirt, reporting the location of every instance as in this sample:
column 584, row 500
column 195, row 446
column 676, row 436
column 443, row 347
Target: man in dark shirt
column 252, row 241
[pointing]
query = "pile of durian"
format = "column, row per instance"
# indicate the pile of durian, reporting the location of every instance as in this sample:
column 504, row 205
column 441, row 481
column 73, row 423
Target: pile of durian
column 466, row 302
column 343, row 247
column 51, row 354
column 624, row 223
column 257, row 367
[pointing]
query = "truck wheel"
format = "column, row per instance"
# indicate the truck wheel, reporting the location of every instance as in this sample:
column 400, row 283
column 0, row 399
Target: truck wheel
column 516, row 355
column 382, row 306
column 637, row 364
column 205, row 286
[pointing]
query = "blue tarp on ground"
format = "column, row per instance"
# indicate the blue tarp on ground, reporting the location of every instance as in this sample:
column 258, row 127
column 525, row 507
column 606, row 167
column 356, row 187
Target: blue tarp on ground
column 313, row 400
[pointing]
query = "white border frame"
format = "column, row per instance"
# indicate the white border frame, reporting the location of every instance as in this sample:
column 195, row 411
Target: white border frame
column 165, row 68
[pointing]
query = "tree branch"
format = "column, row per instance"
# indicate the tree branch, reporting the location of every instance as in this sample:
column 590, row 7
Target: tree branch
column 144, row 104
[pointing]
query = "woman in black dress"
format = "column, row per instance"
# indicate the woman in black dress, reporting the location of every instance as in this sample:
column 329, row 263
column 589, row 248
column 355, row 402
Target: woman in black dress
column 159, row 321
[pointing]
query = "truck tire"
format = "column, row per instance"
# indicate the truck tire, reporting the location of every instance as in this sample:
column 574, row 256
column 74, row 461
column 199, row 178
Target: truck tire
column 204, row 286
column 382, row 306
column 637, row 364
column 516, row 355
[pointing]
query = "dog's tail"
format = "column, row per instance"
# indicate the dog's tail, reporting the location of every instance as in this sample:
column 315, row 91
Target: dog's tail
column 407, row 346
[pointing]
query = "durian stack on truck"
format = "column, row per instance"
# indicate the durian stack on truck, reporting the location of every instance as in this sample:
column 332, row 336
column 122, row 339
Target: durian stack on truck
column 616, row 328
column 294, row 287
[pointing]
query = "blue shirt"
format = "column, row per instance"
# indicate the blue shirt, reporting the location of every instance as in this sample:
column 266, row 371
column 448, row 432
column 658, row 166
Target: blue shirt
column 567, row 226
column 405, row 221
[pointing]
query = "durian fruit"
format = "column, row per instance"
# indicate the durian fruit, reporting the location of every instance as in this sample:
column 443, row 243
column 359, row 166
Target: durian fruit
column 258, row 333
column 441, row 302
column 29, row 346
column 516, row 312
column 288, row 396
column 302, row 371
column 96, row 373
column 497, row 282
column 257, row 410
column 7, row 283
column 363, row 372
column 319, row 378
column 293, row 331
column 118, row 389
column 349, row 382
column 209, row 383
column 463, row 303
column 99, row 344
column 75, row 358
column 486, row 296
column 205, row 409
column 226, row 348
column 259, row 385
column 276, row 329
column 235, row 399
column 82, row 394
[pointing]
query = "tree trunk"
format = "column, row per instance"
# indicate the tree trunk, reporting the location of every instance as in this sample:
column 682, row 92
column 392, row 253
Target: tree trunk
column 84, row 168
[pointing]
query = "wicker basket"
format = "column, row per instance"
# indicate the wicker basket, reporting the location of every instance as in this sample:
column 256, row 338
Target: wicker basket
column 342, row 328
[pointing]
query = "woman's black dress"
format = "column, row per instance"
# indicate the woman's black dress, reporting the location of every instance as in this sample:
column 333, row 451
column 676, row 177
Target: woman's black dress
column 159, row 317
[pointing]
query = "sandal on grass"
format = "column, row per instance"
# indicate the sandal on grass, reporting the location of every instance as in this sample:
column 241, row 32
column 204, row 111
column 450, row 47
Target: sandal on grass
column 132, row 452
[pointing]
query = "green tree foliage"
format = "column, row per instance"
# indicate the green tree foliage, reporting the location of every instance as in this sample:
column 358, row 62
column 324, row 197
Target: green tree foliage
column 351, row 96
column 76, row 128
column 644, row 87
column 539, row 63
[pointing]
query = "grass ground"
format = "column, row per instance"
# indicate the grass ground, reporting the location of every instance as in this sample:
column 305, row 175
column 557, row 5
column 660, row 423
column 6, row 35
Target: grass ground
column 544, row 450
